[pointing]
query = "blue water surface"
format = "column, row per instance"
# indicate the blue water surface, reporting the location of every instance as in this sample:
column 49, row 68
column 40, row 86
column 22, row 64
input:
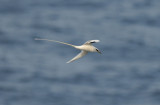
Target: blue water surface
column 35, row 72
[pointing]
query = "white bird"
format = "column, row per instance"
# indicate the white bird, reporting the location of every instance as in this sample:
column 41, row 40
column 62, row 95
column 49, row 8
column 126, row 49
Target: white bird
column 85, row 48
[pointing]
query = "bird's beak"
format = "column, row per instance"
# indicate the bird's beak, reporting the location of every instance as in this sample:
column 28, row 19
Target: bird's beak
column 99, row 52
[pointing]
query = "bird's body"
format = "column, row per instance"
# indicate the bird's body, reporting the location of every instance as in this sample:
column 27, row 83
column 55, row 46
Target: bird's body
column 85, row 48
column 88, row 48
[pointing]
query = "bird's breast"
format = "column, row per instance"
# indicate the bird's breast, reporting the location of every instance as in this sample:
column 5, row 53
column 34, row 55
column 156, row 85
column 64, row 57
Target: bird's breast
column 88, row 48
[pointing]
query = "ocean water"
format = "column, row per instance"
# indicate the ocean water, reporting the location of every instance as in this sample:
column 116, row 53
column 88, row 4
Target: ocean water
column 35, row 72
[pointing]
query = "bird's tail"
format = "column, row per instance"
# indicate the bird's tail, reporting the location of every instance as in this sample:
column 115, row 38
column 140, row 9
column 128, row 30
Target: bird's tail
column 56, row 41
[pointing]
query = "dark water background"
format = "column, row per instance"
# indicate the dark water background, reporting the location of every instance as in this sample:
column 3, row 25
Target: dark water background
column 35, row 72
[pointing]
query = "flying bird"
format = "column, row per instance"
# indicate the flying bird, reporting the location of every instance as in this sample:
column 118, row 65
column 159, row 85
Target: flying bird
column 85, row 48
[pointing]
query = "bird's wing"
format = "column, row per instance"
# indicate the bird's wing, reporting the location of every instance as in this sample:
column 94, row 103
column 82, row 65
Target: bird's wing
column 56, row 41
column 81, row 54
column 92, row 41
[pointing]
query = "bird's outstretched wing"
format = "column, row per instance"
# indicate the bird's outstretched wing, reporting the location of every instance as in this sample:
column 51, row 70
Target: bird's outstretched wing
column 81, row 54
column 92, row 41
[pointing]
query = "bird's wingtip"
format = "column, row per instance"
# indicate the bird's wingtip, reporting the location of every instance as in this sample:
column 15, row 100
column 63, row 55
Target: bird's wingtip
column 68, row 62
column 97, row 40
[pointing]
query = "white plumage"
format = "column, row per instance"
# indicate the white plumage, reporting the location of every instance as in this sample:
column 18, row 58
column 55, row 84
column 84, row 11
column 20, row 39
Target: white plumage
column 85, row 48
